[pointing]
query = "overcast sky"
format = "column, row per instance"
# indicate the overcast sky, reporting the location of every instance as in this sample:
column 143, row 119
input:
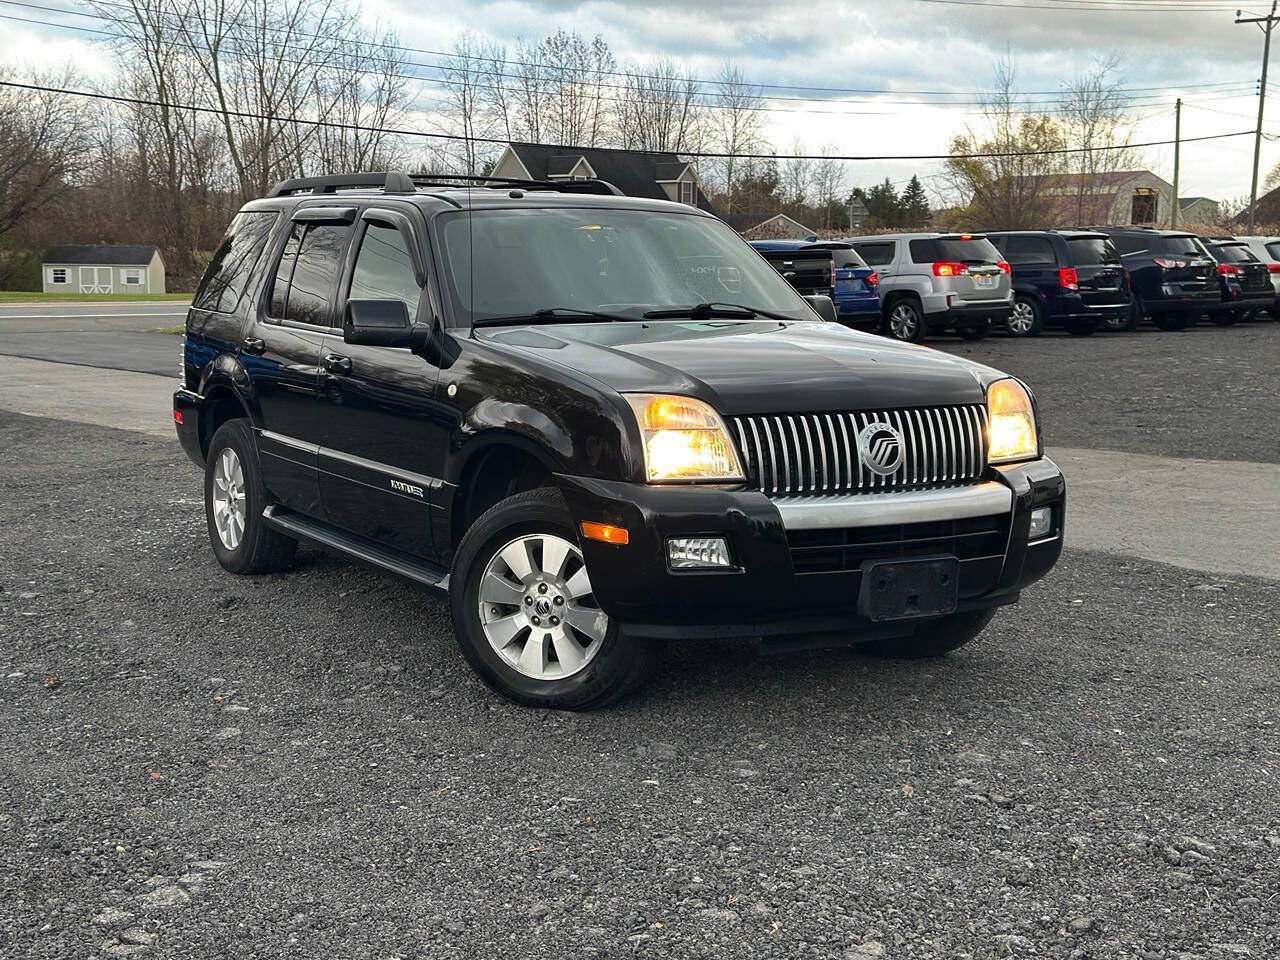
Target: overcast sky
column 895, row 45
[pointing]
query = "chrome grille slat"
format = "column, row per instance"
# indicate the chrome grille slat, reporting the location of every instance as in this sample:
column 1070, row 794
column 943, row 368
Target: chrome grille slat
column 817, row 453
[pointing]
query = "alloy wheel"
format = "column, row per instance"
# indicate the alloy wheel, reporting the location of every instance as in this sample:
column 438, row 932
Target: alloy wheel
column 903, row 322
column 537, row 610
column 1022, row 319
column 229, row 509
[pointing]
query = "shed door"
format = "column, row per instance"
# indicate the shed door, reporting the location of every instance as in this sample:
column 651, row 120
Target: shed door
column 95, row 279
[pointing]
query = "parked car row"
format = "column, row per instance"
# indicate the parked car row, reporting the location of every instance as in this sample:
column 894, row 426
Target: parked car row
column 911, row 285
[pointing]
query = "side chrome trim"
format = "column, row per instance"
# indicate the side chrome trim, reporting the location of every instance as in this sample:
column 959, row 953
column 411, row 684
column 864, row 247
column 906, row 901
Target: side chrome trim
column 290, row 442
column 337, row 456
column 908, row 506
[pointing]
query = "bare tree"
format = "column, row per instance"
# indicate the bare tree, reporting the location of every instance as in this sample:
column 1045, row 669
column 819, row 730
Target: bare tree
column 1095, row 120
column 797, row 177
column 828, row 185
column 737, row 125
column 660, row 109
column 467, row 79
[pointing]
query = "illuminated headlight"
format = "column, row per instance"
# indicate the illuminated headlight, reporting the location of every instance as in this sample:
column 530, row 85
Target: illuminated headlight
column 1011, row 423
column 697, row 553
column 684, row 439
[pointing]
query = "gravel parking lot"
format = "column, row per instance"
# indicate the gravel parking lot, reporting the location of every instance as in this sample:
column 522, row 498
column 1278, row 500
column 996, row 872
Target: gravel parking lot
column 198, row 765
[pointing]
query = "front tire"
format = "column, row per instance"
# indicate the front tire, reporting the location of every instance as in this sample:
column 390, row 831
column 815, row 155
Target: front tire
column 905, row 321
column 234, row 499
column 974, row 331
column 1081, row 328
column 1027, row 319
column 525, row 615
column 934, row 638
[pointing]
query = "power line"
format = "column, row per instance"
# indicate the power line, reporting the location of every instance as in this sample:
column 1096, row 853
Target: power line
column 1057, row 94
column 694, row 154
column 1127, row 6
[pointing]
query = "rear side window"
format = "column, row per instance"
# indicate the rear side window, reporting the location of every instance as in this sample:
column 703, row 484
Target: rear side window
column 232, row 264
column 1029, row 250
column 876, row 254
column 1127, row 243
column 1234, row 254
column 1273, row 248
column 311, row 261
column 1092, row 251
column 954, row 250
column 847, row 259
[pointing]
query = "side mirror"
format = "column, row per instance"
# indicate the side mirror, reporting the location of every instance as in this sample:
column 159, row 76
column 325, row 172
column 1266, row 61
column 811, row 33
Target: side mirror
column 823, row 306
column 377, row 323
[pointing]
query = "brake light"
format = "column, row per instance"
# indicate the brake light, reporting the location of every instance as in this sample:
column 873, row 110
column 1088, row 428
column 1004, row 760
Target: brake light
column 1169, row 264
column 1273, row 268
column 874, row 279
column 833, row 274
column 1005, row 268
column 944, row 269
column 1230, row 270
column 1068, row 279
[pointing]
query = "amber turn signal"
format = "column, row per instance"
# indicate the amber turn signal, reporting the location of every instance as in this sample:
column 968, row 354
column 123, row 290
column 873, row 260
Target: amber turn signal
column 604, row 533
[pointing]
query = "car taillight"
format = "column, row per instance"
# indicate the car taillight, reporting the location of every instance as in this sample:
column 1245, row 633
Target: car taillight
column 944, row 269
column 1230, row 269
column 1068, row 279
column 1169, row 264
column 1273, row 268
column 874, row 279
column 1005, row 268
column 833, row 274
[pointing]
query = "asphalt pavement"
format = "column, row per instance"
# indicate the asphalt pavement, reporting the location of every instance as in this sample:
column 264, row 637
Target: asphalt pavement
column 195, row 765
column 115, row 336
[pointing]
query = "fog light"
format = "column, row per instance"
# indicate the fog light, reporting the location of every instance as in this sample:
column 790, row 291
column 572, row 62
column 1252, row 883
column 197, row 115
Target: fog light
column 697, row 553
column 1041, row 523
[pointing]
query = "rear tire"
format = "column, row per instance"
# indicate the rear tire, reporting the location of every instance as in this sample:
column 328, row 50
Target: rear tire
column 1027, row 319
column 1124, row 322
column 1081, row 328
column 904, row 320
column 234, row 499
column 570, row 656
column 1171, row 322
column 974, row 331
column 934, row 638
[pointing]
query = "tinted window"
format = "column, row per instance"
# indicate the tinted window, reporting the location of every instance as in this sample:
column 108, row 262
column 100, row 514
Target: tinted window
column 228, row 272
column 954, row 250
column 1273, row 248
column 319, row 262
column 384, row 268
column 1029, row 250
column 1187, row 246
column 1090, row 251
column 1234, row 254
column 848, row 259
column 284, row 271
column 1127, row 243
column 876, row 254
column 510, row 263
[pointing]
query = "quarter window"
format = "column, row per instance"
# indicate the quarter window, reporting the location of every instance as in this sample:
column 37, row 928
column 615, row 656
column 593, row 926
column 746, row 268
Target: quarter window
column 232, row 263
column 384, row 269
column 876, row 254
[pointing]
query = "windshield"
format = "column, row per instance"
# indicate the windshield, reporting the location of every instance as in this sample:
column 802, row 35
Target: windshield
column 511, row 263
column 1234, row 253
column 1091, row 251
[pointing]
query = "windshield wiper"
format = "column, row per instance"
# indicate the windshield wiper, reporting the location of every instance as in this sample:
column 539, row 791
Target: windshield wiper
column 555, row 315
column 718, row 310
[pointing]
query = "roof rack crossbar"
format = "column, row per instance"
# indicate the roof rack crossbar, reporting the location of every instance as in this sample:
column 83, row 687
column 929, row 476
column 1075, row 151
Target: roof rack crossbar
column 390, row 181
column 596, row 186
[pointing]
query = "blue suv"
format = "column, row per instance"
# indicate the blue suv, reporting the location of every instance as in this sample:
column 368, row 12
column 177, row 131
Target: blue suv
column 829, row 267
column 1072, row 279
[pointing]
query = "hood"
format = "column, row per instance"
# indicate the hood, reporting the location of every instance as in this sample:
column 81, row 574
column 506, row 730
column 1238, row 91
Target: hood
column 755, row 366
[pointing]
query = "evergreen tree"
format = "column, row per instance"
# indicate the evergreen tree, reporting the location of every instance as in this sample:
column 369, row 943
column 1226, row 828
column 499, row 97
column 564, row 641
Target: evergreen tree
column 914, row 204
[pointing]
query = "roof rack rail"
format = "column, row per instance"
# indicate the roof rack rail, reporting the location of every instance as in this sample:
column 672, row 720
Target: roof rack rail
column 596, row 186
column 391, row 181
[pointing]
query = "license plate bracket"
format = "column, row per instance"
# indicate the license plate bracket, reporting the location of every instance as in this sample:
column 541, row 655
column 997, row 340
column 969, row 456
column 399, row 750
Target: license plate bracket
column 984, row 281
column 907, row 589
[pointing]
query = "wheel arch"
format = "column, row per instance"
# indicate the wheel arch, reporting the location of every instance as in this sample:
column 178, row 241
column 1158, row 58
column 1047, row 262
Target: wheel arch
column 493, row 465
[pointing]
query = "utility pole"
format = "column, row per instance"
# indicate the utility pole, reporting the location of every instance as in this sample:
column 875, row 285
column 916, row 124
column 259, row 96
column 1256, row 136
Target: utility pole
column 1265, row 24
column 1177, row 159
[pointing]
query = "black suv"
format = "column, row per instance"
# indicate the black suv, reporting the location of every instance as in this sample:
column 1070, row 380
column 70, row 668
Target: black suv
column 1172, row 278
column 1244, row 281
column 1063, row 278
column 595, row 423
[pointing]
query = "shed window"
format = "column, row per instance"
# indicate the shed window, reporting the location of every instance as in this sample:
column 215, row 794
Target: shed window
column 132, row 277
column 686, row 192
column 59, row 275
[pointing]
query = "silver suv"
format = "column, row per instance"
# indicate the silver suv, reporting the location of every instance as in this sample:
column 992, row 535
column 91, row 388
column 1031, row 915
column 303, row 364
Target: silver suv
column 1267, row 249
column 930, row 282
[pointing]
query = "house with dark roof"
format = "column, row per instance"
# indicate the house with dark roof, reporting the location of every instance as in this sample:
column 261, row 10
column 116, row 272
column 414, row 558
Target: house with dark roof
column 658, row 176
column 102, row 268
column 1136, row 197
column 1198, row 210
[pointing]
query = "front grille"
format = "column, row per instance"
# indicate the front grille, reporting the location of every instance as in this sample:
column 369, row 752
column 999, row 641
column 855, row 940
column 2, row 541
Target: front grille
column 828, row 551
column 817, row 453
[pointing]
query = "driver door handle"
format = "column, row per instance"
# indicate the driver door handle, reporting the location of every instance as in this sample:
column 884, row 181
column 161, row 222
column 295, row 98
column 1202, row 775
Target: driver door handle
column 337, row 364
column 255, row 345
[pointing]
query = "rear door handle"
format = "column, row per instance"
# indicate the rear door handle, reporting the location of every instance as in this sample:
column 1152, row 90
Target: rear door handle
column 255, row 345
column 336, row 364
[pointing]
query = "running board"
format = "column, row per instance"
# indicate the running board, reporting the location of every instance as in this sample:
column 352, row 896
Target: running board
column 360, row 549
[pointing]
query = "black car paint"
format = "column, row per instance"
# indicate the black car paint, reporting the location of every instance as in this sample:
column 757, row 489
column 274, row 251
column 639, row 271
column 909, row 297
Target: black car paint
column 1191, row 289
column 554, row 393
column 1251, row 288
column 1103, row 289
